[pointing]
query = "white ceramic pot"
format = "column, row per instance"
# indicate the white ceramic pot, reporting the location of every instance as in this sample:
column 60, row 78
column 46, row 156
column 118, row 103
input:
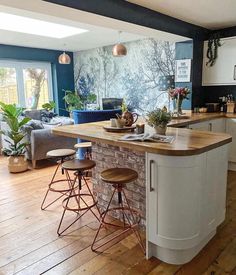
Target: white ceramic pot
column 160, row 129
column 17, row 164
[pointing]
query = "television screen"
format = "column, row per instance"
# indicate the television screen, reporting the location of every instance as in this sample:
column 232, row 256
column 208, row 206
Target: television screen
column 111, row 103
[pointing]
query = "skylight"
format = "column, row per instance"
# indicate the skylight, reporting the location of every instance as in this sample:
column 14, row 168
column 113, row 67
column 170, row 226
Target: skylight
column 16, row 23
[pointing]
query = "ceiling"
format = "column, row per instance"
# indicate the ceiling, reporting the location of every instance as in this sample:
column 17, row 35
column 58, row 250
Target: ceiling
column 211, row 14
column 102, row 31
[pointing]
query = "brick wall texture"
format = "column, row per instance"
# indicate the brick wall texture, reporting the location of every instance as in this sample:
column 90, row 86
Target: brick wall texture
column 107, row 156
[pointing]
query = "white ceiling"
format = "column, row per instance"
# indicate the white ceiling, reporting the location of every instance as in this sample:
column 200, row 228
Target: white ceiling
column 211, row 14
column 102, row 31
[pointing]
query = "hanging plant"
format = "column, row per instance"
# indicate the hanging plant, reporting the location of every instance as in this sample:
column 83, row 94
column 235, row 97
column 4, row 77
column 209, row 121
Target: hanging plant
column 212, row 50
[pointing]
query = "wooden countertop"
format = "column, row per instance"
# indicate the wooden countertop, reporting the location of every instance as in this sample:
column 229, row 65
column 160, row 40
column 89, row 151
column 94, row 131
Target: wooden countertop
column 198, row 117
column 187, row 142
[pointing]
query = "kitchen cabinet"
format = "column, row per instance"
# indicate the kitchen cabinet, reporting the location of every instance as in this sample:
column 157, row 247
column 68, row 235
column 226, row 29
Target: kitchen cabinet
column 223, row 72
column 184, row 190
column 214, row 125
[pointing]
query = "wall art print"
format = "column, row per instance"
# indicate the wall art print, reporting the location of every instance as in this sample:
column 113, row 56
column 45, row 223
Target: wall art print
column 135, row 77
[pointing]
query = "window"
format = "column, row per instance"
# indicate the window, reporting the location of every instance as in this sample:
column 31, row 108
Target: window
column 28, row 84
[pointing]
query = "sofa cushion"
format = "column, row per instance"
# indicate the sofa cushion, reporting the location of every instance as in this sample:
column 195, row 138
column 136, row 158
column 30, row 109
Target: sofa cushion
column 32, row 125
column 34, row 114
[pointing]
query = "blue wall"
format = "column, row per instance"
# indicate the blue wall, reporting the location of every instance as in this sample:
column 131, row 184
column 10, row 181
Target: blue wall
column 184, row 50
column 62, row 75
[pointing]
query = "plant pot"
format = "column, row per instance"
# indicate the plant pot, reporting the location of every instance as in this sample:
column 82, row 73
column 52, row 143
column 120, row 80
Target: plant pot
column 160, row 129
column 17, row 164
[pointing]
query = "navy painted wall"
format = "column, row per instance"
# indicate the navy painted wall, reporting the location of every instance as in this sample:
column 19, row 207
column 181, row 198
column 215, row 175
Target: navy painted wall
column 63, row 75
column 184, row 50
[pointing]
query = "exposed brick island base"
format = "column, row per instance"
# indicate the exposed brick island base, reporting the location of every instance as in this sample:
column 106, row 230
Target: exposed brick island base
column 108, row 156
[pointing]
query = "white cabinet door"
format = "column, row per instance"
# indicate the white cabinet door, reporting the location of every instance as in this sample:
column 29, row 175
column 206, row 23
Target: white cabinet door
column 223, row 72
column 215, row 125
column 231, row 129
column 174, row 200
column 201, row 126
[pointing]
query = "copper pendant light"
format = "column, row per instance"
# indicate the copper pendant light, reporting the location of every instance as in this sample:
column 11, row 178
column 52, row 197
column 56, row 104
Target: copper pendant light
column 64, row 58
column 119, row 49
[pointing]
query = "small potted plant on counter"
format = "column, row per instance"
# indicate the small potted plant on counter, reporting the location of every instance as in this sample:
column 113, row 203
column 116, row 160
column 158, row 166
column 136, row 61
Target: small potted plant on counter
column 158, row 119
column 14, row 137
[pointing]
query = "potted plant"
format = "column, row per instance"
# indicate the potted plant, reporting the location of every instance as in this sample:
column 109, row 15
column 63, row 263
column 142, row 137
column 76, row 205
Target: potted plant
column 49, row 106
column 158, row 119
column 16, row 150
column 73, row 101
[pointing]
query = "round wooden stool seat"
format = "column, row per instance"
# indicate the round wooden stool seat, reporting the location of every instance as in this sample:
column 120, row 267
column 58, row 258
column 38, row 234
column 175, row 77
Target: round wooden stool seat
column 79, row 165
column 61, row 153
column 119, row 175
column 83, row 145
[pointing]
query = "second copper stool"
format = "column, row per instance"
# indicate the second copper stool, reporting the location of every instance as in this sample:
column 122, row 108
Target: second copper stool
column 76, row 196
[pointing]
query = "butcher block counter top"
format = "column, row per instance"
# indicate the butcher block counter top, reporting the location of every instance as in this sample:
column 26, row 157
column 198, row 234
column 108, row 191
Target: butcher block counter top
column 198, row 117
column 186, row 143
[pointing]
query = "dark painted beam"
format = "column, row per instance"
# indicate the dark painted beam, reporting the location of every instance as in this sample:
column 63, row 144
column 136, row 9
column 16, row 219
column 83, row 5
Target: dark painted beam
column 132, row 13
column 226, row 32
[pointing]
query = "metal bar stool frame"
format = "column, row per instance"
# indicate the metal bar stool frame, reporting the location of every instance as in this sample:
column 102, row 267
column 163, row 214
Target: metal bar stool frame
column 79, row 176
column 132, row 224
column 63, row 192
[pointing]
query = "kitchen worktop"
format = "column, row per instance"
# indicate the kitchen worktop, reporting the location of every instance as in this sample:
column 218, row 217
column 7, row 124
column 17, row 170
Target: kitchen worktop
column 198, row 117
column 186, row 143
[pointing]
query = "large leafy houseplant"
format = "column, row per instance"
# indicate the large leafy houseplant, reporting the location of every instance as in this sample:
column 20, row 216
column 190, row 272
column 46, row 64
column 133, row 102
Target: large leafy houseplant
column 73, row 101
column 11, row 115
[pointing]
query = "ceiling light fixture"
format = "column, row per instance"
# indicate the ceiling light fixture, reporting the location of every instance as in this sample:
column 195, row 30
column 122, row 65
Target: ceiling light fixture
column 21, row 24
column 64, row 58
column 119, row 49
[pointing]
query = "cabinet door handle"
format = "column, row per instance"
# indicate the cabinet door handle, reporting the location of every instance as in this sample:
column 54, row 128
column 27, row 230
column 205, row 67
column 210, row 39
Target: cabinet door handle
column 210, row 126
column 234, row 72
column 150, row 180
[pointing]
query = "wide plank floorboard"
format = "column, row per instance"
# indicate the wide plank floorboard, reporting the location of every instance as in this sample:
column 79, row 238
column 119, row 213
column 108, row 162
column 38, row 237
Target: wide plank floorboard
column 29, row 243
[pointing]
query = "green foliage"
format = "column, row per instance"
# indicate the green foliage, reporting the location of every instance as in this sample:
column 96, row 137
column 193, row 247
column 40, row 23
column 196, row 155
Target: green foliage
column 91, row 98
column 73, row 101
column 212, row 50
column 159, row 117
column 11, row 114
column 124, row 106
column 49, row 106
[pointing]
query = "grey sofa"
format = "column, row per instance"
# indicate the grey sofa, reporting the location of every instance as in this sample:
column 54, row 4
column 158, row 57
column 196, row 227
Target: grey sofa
column 43, row 140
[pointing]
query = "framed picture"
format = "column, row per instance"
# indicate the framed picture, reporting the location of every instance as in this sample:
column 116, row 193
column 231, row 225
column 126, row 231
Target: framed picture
column 182, row 70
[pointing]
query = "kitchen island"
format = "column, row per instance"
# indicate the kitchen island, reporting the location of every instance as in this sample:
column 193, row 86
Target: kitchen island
column 181, row 189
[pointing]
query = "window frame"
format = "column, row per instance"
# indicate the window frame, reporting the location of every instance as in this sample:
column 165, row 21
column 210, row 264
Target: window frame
column 19, row 66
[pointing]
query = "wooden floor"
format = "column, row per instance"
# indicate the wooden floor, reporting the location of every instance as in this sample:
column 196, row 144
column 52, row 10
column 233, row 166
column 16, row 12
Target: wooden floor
column 29, row 243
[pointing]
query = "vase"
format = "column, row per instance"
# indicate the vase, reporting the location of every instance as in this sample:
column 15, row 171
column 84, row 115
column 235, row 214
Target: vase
column 178, row 106
column 160, row 129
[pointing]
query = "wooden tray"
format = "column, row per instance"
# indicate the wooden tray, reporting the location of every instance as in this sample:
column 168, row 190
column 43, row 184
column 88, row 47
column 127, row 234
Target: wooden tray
column 119, row 130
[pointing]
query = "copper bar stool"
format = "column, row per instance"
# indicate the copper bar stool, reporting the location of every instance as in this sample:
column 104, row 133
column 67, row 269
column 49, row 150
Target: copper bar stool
column 79, row 167
column 118, row 178
column 61, row 155
column 87, row 146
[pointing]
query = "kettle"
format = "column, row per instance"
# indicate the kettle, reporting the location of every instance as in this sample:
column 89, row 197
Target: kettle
column 129, row 117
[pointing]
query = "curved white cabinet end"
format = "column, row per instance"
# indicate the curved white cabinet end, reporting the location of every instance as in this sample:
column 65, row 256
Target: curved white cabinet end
column 185, row 203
